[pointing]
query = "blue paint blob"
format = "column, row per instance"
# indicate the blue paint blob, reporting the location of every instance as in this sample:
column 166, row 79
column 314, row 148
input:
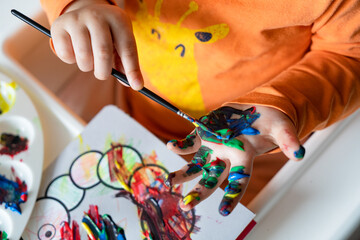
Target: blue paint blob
column 300, row 153
column 236, row 176
column 12, row 193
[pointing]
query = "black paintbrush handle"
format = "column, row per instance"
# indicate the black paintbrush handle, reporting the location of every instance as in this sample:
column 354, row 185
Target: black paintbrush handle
column 31, row 22
column 114, row 72
column 153, row 96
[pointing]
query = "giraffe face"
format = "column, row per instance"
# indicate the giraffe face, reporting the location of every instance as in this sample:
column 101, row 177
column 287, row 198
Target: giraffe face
column 166, row 53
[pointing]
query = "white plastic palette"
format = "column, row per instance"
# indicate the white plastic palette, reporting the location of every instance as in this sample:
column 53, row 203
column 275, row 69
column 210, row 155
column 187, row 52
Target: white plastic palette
column 23, row 120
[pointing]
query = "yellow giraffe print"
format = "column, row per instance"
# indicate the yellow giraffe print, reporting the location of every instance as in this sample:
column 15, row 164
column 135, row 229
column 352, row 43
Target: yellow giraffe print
column 166, row 55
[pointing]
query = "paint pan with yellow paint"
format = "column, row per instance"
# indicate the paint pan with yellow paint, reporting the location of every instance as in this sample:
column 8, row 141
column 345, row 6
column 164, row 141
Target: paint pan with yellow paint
column 7, row 95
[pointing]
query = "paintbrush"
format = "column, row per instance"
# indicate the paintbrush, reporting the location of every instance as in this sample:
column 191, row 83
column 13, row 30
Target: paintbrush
column 121, row 77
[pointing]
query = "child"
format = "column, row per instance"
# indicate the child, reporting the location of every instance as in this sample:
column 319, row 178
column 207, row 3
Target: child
column 282, row 69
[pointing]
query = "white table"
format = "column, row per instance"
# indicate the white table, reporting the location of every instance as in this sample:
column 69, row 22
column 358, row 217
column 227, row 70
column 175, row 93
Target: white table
column 318, row 198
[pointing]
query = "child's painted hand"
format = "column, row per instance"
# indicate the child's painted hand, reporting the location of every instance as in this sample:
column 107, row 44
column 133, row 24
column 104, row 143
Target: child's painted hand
column 95, row 34
column 247, row 132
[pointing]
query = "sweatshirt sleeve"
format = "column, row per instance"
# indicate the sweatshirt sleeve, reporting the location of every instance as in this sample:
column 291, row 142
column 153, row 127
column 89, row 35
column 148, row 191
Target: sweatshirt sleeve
column 324, row 86
column 54, row 8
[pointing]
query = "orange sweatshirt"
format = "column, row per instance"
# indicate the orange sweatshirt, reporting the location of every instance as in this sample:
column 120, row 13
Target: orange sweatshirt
column 298, row 56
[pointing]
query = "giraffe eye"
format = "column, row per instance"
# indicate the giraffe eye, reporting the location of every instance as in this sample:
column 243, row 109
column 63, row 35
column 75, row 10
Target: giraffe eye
column 182, row 50
column 203, row 36
column 154, row 31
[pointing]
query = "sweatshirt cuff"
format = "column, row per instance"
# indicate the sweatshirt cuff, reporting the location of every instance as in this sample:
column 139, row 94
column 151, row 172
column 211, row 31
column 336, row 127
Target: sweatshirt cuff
column 57, row 8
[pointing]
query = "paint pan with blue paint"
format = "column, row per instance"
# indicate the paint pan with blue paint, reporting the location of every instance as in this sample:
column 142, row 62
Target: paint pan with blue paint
column 12, row 193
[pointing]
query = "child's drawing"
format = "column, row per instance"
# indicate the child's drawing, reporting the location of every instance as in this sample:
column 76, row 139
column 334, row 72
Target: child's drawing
column 138, row 179
column 119, row 166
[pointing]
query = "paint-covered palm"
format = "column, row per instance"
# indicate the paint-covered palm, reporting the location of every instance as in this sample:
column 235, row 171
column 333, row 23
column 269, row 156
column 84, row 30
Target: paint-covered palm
column 234, row 135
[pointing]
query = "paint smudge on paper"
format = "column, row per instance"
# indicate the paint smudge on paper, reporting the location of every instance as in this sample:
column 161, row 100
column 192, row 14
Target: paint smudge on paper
column 101, row 227
column 68, row 233
column 3, row 235
column 13, row 193
column 138, row 178
column 95, row 225
column 12, row 144
column 157, row 204
column 7, row 96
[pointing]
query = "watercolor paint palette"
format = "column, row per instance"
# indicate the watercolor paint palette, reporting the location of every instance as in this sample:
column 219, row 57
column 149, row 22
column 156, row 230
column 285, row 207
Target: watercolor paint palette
column 21, row 157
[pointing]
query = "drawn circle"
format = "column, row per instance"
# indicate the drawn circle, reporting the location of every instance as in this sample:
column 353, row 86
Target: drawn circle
column 64, row 190
column 146, row 221
column 130, row 155
column 144, row 168
column 47, row 231
column 17, row 125
column 46, row 219
column 83, row 170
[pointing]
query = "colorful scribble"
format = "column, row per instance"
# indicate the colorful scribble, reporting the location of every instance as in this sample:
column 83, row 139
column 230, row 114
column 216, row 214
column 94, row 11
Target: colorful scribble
column 157, row 203
column 122, row 171
column 95, row 225
column 68, row 233
column 13, row 193
column 101, row 227
column 12, row 144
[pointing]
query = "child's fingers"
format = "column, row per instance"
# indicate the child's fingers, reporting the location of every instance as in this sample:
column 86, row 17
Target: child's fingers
column 125, row 45
column 192, row 169
column 80, row 38
column 188, row 145
column 102, row 47
column 62, row 45
column 287, row 140
column 238, row 180
column 213, row 175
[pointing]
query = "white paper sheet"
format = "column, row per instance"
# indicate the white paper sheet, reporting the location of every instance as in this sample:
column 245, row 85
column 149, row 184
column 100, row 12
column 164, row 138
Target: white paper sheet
column 66, row 192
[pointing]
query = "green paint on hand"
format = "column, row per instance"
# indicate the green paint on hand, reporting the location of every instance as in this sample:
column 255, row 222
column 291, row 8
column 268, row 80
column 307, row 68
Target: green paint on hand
column 237, row 168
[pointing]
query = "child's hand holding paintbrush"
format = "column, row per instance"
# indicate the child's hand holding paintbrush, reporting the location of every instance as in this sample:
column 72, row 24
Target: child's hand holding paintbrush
column 95, row 36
